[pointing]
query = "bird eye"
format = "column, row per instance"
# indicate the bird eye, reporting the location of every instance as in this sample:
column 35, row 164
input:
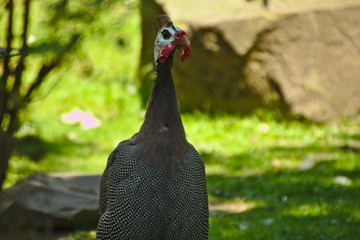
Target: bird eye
column 166, row 34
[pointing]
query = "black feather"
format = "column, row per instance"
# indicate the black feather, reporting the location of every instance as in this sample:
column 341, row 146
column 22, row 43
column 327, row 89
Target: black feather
column 154, row 184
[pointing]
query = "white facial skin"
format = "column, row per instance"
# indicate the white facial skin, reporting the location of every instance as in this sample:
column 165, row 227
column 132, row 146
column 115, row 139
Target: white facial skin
column 165, row 36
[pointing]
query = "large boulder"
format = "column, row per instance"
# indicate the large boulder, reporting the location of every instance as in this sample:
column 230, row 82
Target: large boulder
column 47, row 202
column 302, row 57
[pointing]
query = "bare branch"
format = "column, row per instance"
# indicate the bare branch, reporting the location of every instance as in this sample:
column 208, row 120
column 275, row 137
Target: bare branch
column 11, row 55
column 6, row 68
column 5, row 139
column 9, row 37
column 23, row 50
column 46, row 68
column 44, row 71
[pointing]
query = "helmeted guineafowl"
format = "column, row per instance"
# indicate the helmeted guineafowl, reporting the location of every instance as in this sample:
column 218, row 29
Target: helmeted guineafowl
column 154, row 184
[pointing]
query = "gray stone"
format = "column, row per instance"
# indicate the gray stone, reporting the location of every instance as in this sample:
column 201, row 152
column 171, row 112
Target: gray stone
column 45, row 202
column 301, row 57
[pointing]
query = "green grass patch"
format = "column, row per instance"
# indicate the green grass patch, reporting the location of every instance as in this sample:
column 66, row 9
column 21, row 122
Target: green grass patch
column 267, row 178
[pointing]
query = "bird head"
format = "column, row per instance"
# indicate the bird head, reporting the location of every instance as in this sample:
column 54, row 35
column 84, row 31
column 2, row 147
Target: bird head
column 168, row 39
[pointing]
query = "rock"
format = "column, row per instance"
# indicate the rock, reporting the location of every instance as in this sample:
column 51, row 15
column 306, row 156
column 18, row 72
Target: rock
column 309, row 64
column 301, row 57
column 45, row 202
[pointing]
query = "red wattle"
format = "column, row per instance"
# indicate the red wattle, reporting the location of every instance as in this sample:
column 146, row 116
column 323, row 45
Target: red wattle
column 165, row 51
column 185, row 52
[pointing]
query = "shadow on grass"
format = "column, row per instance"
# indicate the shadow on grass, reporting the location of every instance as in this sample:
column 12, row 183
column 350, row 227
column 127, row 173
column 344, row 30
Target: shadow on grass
column 261, row 159
column 35, row 148
column 262, row 223
column 291, row 204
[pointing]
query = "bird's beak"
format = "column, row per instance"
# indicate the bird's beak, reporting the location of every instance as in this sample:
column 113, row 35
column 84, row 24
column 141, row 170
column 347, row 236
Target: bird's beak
column 181, row 38
column 183, row 43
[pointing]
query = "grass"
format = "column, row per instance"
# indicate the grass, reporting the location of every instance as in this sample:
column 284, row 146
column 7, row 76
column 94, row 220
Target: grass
column 255, row 172
column 267, row 178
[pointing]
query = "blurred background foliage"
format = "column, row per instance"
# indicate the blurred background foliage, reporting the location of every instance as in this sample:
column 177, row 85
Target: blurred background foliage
column 99, row 74
column 267, row 178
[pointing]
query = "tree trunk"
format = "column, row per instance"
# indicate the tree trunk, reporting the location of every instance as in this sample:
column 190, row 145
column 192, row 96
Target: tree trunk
column 6, row 148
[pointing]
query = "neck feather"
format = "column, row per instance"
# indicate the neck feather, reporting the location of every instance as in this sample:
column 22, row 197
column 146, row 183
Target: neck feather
column 162, row 129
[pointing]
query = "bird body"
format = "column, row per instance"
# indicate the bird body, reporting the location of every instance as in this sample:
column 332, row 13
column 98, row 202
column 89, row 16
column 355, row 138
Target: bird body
column 154, row 184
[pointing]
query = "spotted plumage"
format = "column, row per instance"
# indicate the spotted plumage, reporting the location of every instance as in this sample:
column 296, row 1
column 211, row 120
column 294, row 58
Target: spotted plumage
column 154, row 184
